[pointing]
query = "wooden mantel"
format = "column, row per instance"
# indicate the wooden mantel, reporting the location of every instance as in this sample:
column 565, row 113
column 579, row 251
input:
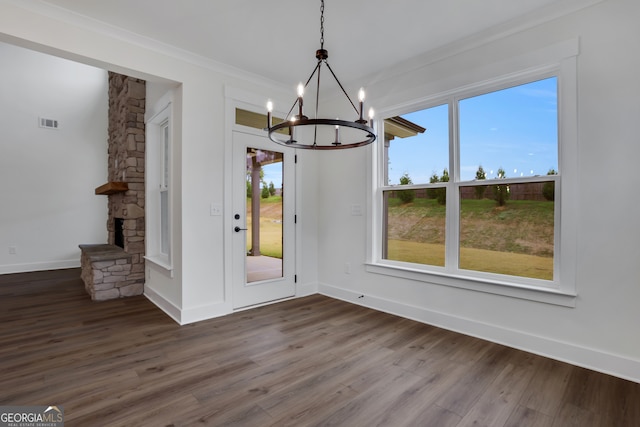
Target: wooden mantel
column 112, row 188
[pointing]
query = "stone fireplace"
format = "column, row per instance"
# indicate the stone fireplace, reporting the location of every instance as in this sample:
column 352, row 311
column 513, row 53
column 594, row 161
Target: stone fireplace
column 116, row 269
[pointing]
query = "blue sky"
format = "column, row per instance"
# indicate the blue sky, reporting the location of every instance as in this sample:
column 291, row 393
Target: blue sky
column 273, row 173
column 514, row 129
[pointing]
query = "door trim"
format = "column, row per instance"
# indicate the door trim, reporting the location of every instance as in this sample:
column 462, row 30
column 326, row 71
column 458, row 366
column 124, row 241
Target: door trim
column 240, row 98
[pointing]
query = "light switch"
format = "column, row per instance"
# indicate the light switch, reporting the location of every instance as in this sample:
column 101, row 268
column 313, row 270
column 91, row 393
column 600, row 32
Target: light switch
column 356, row 210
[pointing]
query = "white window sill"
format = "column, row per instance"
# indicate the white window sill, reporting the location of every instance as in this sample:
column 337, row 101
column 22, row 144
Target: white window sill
column 162, row 263
column 497, row 287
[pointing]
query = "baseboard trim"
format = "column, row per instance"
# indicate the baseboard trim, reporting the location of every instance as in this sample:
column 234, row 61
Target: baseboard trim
column 595, row 360
column 210, row 311
column 163, row 304
column 39, row 266
column 306, row 289
column 189, row 315
column 205, row 312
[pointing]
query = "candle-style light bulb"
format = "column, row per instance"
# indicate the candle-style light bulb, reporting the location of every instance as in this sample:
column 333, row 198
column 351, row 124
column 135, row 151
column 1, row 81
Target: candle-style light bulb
column 361, row 99
column 292, row 129
column 337, row 141
column 371, row 116
column 300, row 94
column 269, row 110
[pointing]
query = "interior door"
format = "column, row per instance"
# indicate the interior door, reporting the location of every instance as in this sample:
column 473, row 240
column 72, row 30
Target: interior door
column 263, row 220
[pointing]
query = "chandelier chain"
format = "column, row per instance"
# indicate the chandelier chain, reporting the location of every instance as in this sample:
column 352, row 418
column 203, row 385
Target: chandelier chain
column 322, row 24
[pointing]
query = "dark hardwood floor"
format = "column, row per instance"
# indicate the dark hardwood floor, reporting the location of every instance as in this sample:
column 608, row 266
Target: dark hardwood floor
column 305, row 362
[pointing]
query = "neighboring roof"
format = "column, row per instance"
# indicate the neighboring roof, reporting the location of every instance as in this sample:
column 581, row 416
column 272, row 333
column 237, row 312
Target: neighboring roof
column 401, row 128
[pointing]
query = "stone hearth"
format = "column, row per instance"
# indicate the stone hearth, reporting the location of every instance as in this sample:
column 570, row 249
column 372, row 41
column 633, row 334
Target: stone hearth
column 106, row 273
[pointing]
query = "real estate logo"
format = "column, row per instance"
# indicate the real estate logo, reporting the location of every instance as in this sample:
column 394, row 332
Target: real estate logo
column 31, row 416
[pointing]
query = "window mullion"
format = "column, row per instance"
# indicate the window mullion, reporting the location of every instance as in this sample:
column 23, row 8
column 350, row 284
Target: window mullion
column 453, row 203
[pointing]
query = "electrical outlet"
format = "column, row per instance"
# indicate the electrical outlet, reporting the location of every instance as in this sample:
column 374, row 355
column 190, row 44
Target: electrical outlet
column 215, row 209
column 12, row 250
column 347, row 267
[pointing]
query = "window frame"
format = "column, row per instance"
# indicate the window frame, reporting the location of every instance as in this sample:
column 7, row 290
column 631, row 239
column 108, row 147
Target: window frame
column 562, row 289
column 158, row 184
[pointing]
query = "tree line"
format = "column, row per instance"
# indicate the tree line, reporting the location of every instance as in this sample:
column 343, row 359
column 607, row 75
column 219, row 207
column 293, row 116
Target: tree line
column 499, row 192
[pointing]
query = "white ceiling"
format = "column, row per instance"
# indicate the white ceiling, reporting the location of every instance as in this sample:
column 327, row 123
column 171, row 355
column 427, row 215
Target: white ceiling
column 277, row 39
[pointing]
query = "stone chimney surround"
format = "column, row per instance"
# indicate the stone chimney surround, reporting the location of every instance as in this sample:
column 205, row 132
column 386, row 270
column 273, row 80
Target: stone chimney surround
column 109, row 271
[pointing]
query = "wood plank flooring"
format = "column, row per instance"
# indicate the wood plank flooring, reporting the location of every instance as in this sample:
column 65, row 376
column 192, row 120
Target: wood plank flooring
column 313, row 361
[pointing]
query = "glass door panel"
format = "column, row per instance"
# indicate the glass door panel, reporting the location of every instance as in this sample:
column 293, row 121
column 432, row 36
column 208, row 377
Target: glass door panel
column 264, row 237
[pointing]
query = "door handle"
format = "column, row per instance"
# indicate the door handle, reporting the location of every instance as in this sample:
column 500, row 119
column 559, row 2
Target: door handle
column 238, row 229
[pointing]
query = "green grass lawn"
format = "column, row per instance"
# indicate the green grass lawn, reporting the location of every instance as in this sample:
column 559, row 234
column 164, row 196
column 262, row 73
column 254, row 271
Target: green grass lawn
column 270, row 226
column 514, row 264
column 270, row 237
column 516, row 239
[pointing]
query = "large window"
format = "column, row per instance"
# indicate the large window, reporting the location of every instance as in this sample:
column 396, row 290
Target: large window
column 470, row 183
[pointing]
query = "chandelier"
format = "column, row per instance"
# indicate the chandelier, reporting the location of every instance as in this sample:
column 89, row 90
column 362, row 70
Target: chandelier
column 300, row 131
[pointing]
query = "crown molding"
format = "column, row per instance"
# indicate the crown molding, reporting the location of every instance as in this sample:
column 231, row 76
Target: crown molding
column 527, row 21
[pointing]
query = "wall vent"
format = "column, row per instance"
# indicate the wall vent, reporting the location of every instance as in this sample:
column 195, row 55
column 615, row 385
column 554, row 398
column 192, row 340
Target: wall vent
column 48, row 123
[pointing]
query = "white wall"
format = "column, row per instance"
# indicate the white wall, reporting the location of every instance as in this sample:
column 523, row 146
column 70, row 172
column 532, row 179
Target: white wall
column 601, row 332
column 48, row 177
